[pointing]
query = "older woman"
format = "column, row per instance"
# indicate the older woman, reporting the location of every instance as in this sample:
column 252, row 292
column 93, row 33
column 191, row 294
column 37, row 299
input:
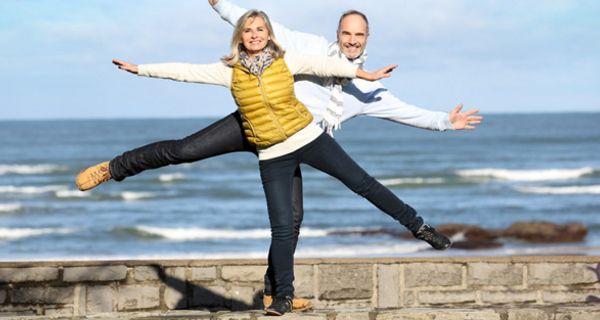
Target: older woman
column 260, row 76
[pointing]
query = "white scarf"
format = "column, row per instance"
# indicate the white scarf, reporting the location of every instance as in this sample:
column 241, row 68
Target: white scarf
column 333, row 114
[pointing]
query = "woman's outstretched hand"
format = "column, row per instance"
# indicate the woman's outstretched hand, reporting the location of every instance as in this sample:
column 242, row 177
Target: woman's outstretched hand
column 129, row 67
column 376, row 75
column 213, row 2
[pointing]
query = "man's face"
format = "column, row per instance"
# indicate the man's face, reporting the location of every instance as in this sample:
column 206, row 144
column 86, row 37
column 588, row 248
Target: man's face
column 352, row 36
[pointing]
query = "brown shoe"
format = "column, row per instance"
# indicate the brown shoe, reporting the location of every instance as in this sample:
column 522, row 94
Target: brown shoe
column 93, row 176
column 298, row 304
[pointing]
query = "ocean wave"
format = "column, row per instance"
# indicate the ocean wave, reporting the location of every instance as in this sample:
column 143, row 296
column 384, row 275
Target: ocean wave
column 594, row 189
column 71, row 194
column 30, row 169
column 185, row 234
column 10, row 207
column 31, row 189
column 19, row 233
column 132, row 196
column 526, row 175
column 410, row 181
column 171, row 177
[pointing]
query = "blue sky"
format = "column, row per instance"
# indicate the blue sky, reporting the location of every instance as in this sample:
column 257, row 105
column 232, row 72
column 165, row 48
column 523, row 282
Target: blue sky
column 499, row 56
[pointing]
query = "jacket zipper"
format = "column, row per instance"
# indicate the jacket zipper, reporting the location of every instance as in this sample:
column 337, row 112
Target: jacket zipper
column 268, row 106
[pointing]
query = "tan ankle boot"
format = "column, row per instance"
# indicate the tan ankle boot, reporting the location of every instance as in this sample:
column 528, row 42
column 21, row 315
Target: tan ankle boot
column 298, row 304
column 93, row 176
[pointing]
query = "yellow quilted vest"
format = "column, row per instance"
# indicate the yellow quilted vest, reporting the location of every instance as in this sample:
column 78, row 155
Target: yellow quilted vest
column 270, row 111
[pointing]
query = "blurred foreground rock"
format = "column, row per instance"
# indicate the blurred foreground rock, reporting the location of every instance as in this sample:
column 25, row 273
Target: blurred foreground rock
column 472, row 237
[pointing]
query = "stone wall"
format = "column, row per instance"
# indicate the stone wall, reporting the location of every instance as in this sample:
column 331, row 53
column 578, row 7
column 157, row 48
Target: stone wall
column 94, row 287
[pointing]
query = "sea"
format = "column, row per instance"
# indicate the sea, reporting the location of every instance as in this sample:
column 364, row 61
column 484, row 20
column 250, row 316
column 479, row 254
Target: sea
column 513, row 167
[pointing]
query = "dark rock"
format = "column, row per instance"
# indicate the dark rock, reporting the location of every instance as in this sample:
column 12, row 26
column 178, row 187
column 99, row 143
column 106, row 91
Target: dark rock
column 469, row 232
column 546, row 232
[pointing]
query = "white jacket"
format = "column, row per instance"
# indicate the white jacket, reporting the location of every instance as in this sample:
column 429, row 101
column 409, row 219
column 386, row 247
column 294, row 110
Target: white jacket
column 360, row 97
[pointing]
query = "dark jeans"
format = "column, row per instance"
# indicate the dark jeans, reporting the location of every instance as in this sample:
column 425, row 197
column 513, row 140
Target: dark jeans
column 325, row 155
column 223, row 136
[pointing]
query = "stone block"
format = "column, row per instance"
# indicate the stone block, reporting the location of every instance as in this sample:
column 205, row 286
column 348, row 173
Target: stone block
column 561, row 274
column 388, row 286
column 410, row 314
column 297, row 316
column 100, row 299
column 506, row 297
column 176, row 288
column 236, row 316
column 145, row 273
column 108, row 273
column 175, row 273
column 578, row 313
column 570, row 296
column 203, row 274
column 209, row 297
column 243, row 273
column 242, row 298
column 303, row 283
column 494, row 274
column 13, row 275
column 445, row 297
column 337, row 282
column 352, row 316
column 44, row 295
column 467, row 314
column 59, row 312
column 2, row 296
column 527, row 314
column 432, row 274
column 134, row 297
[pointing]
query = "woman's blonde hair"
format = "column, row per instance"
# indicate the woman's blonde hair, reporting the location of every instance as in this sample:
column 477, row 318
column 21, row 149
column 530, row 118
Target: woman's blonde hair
column 236, row 40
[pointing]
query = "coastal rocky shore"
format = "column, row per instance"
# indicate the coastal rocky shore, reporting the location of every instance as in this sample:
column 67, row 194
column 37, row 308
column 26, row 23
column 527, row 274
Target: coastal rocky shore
column 473, row 237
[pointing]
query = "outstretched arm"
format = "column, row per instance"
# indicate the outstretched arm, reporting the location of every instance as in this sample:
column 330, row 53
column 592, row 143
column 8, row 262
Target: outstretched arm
column 216, row 73
column 290, row 39
column 386, row 106
column 332, row 67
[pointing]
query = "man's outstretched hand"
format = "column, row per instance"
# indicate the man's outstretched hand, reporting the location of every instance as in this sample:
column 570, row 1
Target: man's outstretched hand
column 464, row 120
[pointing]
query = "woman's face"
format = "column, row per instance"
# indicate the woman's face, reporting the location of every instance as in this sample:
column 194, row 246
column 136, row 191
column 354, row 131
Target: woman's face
column 255, row 35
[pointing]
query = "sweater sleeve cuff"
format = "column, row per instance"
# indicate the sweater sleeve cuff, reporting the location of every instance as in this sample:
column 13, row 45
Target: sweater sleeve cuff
column 143, row 70
column 447, row 124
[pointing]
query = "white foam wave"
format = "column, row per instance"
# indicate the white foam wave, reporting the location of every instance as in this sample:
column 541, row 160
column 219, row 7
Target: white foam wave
column 184, row 234
column 10, row 207
column 72, row 194
column 132, row 196
column 171, row 177
column 19, row 233
column 416, row 180
column 527, row 175
column 31, row 189
column 595, row 189
column 30, row 169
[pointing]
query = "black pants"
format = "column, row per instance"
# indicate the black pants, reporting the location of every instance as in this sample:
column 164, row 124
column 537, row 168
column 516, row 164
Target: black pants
column 221, row 137
column 326, row 155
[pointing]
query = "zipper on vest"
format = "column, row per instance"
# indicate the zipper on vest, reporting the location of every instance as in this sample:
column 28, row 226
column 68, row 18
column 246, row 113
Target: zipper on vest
column 268, row 107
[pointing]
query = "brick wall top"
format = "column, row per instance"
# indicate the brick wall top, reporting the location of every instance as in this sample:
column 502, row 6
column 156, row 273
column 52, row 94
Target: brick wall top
column 244, row 262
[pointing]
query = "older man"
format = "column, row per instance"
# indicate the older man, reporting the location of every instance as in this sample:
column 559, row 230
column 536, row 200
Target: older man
column 333, row 101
